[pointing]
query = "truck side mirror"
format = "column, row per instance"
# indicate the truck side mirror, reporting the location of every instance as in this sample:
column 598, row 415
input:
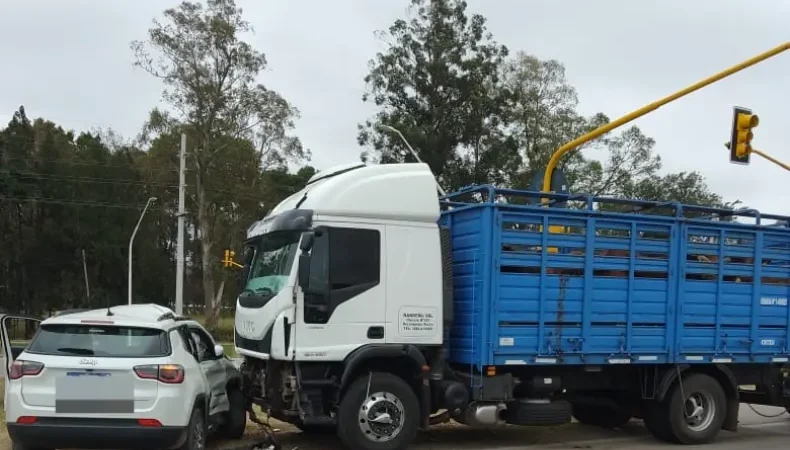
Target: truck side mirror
column 304, row 271
column 306, row 244
column 313, row 272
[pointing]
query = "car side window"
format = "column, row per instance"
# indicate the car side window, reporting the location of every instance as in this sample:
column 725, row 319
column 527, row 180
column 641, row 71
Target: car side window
column 189, row 344
column 204, row 344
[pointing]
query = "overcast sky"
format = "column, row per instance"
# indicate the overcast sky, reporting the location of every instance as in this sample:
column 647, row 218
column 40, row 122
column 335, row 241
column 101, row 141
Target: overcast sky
column 69, row 61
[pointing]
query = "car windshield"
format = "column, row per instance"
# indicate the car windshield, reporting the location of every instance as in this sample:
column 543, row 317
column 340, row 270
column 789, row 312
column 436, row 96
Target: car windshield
column 272, row 262
column 100, row 341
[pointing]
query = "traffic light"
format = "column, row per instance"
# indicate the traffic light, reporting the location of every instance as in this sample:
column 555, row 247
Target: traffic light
column 228, row 261
column 741, row 137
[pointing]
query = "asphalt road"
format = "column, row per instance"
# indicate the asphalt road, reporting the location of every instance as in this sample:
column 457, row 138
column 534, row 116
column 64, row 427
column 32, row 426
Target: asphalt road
column 756, row 433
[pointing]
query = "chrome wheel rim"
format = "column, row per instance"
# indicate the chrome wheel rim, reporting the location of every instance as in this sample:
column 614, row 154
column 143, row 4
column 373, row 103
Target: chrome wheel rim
column 381, row 416
column 699, row 410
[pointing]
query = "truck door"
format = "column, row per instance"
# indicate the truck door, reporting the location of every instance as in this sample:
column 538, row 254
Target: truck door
column 349, row 310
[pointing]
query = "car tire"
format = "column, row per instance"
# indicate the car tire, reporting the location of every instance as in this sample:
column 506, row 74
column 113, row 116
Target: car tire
column 388, row 397
column 196, row 431
column 236, row 417
column 601, row 416
column 705, row 395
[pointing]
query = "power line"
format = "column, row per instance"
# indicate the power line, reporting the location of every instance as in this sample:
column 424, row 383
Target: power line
column 47, row 176
column 89, row 203
column 79, row 163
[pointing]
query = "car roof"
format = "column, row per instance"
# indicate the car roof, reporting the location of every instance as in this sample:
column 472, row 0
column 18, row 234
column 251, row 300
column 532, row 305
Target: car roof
column 143, row 315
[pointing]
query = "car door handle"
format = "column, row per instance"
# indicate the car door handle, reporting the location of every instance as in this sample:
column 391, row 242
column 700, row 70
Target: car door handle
column 376, row 333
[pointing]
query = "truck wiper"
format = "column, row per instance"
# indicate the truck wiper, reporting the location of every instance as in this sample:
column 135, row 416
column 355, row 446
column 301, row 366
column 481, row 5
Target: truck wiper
column 76, row 351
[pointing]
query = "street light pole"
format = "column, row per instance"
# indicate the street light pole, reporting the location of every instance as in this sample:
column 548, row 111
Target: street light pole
column 392, row 129
column 131, row 242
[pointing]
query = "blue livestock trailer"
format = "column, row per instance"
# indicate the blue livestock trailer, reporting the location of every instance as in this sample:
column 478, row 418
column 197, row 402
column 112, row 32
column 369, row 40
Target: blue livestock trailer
column 618, row 308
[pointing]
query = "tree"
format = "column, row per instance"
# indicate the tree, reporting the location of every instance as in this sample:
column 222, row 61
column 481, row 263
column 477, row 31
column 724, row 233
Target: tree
column 210, row 83
column 438, row 83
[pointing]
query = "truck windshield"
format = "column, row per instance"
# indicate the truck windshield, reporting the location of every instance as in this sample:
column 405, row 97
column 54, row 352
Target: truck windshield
column 271, row 265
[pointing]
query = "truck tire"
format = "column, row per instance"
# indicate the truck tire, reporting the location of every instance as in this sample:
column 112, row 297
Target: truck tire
column 601, row 416
column 379, row 411
column 529, row 413
column 236, row 417
column 695, row 410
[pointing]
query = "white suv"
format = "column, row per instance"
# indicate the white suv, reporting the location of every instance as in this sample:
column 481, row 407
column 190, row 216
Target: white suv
column 126, row 377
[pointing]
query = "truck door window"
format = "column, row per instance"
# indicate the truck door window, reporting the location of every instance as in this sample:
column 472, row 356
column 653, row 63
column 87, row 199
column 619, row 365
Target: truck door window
column 354, row 267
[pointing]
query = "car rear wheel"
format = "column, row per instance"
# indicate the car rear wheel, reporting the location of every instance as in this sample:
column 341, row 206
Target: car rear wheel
column 196, row 432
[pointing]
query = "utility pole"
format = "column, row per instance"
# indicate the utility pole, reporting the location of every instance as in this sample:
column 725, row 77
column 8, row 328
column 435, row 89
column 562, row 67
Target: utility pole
column 181, row 220
column 85, row 272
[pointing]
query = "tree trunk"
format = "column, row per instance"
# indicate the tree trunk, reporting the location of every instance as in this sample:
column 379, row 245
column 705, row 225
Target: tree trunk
column 205, row 251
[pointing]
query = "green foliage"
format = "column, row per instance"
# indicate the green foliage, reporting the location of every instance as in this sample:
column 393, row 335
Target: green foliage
column 476, row 114
column 234, row 123
column 62, row 193
column 438, row 84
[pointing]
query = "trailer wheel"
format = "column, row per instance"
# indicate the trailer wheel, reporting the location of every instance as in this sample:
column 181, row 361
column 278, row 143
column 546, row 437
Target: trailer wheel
column 695, row 410
column 601, row 416
column 379, row 411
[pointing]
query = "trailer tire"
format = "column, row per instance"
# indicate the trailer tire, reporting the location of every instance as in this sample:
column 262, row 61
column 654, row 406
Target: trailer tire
column 538, row 414
column 695, row 410
column 387, row 396
column 601, row 416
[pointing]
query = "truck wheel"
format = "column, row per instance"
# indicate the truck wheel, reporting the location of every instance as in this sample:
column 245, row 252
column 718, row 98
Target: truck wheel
column 601, row 416
column 695, row 410
column 379, row 411
column 236, row 417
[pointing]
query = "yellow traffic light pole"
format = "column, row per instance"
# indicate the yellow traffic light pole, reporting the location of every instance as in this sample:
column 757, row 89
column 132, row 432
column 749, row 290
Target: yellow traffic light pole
column 228, row 260
column 560, row 152
column 772, row 159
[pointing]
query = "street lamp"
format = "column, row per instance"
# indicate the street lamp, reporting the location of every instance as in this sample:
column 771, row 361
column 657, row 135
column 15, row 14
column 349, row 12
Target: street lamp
column 131, row 242
column 392, row 129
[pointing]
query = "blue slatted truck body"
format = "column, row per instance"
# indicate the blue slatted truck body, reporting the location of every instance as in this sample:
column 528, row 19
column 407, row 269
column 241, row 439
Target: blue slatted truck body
column 373, row 306
column 616, row 304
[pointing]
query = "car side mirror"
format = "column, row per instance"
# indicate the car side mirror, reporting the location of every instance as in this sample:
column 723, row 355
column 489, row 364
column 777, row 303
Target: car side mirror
column 219, row 351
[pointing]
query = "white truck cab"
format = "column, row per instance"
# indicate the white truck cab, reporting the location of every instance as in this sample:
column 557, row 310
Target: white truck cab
column 344, row 282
